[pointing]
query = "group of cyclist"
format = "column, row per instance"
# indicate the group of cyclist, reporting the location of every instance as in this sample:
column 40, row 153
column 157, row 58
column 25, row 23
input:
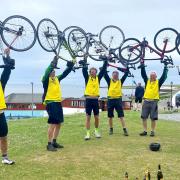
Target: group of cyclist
column 52, row 98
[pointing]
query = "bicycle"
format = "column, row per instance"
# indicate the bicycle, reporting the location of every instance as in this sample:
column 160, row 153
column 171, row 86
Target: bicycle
column 124, row 69
column 178, row 43
column 133, row 51
column 106, row 43
column 18, row 33
column 51, row 39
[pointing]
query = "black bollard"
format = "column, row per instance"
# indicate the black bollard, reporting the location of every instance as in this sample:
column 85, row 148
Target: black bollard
column 126, row 176
column 159, row 173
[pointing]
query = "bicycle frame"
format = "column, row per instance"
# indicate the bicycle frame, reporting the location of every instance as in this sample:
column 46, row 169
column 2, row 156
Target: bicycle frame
column 107, row 51
column 122, row 69
column 91, row 39
column 144, row 44
column 62, row 42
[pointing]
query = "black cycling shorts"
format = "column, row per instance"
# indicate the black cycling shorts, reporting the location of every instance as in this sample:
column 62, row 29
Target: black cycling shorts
column 92, row 105
column 3, row 126
column 117, row 105
column 55, row 113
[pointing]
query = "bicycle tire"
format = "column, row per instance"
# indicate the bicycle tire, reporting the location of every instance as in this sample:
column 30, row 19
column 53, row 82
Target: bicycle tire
column 158, row 34
column 131, row 62
column 46, row 46
column 103, row 41
column 29, row 23
column 72, row 39
column 72, row 27
column 95, row 59
column 178, row 43
column 94, row 55
column 139, row 49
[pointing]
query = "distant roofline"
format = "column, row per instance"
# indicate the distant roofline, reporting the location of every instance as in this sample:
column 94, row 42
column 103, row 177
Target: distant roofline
column 38, row 100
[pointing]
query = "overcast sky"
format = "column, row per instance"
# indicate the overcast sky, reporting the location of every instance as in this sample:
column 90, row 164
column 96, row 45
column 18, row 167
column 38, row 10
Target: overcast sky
column 137, row 18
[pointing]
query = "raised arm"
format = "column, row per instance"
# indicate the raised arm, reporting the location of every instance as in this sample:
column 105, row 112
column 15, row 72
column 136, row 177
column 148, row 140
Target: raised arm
column 143, row 74
column 164, row 76
column 85, row 73
column 124, row 76
column 50, row 69
column 9, row 65
column 47, row 73
column 66, row 71
column 103, row 70
column 107, row 78
column 5, row 76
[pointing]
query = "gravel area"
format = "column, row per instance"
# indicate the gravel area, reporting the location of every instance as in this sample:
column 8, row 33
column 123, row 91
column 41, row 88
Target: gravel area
column 170, row 117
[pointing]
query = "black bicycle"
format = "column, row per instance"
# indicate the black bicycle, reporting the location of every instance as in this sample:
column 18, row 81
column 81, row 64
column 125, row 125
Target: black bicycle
column 18, row 33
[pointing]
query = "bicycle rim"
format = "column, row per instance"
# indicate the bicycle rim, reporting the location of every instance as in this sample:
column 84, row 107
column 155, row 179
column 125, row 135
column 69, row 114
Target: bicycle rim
column 111, row 37
column 128, row 52
column 48, row 35
column 18, row 33
column 164, row 34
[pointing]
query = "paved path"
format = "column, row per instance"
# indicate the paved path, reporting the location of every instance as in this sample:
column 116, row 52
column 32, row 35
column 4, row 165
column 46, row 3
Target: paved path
column 170, row 117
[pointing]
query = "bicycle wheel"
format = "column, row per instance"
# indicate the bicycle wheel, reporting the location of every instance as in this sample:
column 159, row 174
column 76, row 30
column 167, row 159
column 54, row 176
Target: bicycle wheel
column 48, row 35
column 164, row 34
column 111, row 37
column 178, row 43
column 128, row 51
column 70, row 28
column 77, row 42
column 18, row 33
column 95, row 51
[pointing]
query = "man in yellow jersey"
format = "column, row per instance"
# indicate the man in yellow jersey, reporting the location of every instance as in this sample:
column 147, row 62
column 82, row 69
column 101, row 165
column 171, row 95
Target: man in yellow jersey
column 115, row 99
column 92, row 83
column 52, row 99
column 9, row 65
column 151, row 98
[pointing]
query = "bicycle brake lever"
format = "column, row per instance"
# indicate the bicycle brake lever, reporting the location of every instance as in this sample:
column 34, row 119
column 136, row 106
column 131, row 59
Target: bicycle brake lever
column 2, row 66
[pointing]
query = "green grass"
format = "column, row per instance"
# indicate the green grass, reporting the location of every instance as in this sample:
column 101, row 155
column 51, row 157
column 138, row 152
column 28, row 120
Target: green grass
column 106, row 158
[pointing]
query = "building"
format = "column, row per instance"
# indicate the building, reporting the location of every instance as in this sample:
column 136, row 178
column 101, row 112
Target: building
column 26, row 105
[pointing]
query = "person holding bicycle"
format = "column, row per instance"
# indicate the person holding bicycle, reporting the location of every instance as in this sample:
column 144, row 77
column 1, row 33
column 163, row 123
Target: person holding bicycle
column 115, row 99
column 52, row 99
column 151, row 98
column 92, row 83
column 8, row 66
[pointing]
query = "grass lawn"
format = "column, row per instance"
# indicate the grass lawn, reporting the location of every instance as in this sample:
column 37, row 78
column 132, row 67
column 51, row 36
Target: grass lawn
column 106, row 158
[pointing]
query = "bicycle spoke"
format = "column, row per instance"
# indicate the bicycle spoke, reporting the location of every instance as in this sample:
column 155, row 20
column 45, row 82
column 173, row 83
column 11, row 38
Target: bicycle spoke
column 23, row 29
column 111, row 37
column 48, row 35
column 165, row 35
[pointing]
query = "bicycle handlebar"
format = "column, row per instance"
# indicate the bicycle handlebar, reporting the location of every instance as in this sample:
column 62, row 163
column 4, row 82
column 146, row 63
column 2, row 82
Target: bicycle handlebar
column 2, row 66
column 92, row 35
column 118, row 68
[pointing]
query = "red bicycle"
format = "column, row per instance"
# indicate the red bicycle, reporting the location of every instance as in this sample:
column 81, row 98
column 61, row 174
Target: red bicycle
column 133, row 51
